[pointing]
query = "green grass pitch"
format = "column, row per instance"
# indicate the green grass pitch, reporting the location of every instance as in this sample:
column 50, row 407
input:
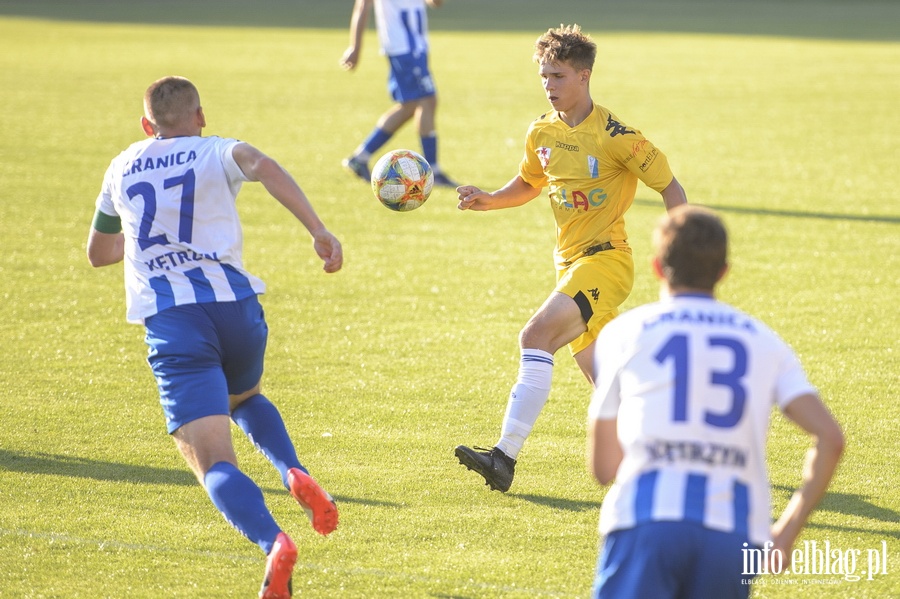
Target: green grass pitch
column 783, row 115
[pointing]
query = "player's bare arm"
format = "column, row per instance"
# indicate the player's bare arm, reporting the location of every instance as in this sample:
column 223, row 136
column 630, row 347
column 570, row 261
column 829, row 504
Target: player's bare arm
column 282, row 186
column 515, row 193
column 104, row 249
column 810, row 414
column 604, row 454
column 673, row 195
column 358, row 22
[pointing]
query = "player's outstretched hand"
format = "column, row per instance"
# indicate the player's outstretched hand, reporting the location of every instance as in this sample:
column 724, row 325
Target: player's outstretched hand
column 472, row 198
column 329, row 249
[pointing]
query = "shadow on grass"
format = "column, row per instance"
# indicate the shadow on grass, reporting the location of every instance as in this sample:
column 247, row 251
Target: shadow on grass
column 46, row 463
column 61, row 465
column 831, row 19
column 850, row 504
column 339, row 499
column 870, row 218
column 559, row 503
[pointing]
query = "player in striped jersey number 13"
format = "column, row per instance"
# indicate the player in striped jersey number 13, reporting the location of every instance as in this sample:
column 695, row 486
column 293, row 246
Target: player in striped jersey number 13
column 678, row 420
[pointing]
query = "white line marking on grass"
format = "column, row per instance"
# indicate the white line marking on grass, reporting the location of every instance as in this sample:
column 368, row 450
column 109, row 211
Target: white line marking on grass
column 107, row 544
column 361, row 572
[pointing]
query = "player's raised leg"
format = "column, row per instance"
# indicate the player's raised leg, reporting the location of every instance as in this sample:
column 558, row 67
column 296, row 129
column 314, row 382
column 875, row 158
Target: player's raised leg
column 557, row 322
column 425, row 119
column 264, row 426
column 205, row 444
column 388, row 124
column 319, row 506
column 262, row 423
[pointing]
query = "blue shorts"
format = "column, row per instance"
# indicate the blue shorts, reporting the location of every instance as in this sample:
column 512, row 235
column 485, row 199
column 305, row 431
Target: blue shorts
column 409, row 78
column 202, row 353
column 668, row 560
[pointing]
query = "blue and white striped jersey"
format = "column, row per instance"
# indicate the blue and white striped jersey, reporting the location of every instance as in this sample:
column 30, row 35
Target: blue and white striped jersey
column 183, row 240
column 402, row 26
column 692, row 382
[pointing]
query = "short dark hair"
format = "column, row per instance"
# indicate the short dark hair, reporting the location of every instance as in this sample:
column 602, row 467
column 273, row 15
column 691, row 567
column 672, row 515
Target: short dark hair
column 692, row 247
column 170, row 100
column 567, row 44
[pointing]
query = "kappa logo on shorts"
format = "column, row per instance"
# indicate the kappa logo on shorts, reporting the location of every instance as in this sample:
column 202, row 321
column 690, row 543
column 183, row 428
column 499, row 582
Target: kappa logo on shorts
column 595, row 293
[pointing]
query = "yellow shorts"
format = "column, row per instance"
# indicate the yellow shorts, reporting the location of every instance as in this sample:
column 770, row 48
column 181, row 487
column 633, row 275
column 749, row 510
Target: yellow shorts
column 599, row 284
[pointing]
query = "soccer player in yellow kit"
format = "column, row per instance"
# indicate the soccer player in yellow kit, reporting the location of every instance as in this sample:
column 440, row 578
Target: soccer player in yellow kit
column 591, row 162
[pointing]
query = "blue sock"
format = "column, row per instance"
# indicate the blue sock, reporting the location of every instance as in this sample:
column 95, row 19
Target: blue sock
column 242, row 504
column 429, row 148
column 261, row 421
column 377, row 138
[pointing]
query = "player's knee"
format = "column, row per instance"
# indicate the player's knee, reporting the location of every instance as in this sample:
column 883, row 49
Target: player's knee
column 534, row 336
column 236, row 400
column 429, row 103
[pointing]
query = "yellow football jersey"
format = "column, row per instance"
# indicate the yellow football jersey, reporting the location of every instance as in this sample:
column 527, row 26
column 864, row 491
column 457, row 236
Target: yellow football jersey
column 592, row 171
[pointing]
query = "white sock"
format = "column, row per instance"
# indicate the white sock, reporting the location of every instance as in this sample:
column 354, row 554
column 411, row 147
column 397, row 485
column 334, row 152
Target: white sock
column 526, row 400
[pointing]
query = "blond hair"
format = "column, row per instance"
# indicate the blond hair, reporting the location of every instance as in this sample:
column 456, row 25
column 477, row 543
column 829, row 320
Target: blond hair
column 170, row 100
column 566, row 44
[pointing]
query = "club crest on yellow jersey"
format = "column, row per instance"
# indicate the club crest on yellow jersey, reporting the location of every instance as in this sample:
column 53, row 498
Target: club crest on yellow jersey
column 543, row 154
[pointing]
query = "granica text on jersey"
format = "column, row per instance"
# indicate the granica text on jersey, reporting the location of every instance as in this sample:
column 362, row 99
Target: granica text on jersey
column 150, row 163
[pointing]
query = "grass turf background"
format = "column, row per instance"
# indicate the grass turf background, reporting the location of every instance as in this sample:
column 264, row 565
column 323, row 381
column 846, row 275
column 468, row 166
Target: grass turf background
column 781, row 115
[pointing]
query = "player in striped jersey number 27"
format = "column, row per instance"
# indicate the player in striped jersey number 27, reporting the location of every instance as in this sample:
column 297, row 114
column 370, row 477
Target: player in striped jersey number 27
column 678, row 420
column 167, row 208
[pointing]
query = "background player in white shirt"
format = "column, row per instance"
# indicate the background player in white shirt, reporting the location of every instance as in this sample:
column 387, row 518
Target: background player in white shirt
column 167, row 208
column 678, row 420
column 403, row 33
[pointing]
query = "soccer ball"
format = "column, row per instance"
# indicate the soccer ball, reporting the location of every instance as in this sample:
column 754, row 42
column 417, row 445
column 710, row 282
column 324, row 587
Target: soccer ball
column 402, row 180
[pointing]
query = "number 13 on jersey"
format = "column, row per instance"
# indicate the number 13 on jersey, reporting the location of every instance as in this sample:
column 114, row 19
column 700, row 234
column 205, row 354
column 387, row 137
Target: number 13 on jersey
column 676, row 350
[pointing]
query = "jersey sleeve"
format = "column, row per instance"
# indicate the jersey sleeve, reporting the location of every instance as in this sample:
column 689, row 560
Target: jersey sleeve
column 792, row 381
column 232, row 171
column 106, row 218
column 531, row 169
column 606, row 398
column 642, row 158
